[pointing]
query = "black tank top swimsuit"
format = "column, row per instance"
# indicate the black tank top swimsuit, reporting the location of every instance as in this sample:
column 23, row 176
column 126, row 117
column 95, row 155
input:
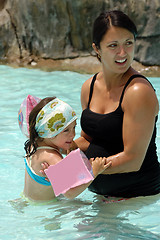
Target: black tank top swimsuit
column 106, row 133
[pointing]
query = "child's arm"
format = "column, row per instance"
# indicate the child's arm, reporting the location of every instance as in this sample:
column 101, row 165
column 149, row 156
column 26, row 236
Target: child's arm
column 98, row 166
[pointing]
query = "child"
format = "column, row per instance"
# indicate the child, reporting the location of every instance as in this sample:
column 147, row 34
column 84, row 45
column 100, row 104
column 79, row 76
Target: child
column 51, row 129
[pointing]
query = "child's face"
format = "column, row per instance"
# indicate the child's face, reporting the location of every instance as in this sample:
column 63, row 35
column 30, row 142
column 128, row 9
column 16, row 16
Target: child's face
column 64, row 139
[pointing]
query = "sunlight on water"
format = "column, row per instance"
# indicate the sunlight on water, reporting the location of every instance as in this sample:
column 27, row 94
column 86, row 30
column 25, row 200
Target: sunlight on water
column 87, row 216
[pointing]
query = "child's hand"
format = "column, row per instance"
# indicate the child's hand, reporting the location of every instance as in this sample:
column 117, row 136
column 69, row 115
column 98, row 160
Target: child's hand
column 44, row 166
column 99, row 164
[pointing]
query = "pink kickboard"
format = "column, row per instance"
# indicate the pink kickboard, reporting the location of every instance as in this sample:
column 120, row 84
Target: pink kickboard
column 72, row 171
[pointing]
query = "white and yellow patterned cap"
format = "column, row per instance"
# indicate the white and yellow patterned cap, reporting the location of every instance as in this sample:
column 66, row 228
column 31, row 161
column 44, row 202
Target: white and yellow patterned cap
column 53, row 118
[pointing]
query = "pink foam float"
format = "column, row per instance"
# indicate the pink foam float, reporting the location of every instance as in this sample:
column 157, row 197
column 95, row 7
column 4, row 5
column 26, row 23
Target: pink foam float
column 72, row 171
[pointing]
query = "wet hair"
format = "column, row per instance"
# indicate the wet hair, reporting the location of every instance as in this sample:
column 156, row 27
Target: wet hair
column 108, row 19
column 30, row 145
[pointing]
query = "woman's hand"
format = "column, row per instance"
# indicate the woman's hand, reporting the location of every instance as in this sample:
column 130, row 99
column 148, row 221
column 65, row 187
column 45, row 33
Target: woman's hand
column 99, row 164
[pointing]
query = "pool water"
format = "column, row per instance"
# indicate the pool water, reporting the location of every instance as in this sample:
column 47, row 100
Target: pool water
column 86, row 217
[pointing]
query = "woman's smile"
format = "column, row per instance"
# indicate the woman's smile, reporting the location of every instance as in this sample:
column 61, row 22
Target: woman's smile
column 121, row 61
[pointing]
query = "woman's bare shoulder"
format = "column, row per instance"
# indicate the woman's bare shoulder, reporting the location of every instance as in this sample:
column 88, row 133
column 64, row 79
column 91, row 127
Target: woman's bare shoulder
column 87, row 83
column 140, row 91
column 85, row 92
column 142, row 86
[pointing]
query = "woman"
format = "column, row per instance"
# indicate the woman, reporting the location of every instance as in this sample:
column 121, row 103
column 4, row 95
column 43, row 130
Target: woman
column 120, row 110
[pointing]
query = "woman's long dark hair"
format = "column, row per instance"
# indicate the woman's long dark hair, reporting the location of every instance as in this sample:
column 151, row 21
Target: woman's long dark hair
column 30, row 145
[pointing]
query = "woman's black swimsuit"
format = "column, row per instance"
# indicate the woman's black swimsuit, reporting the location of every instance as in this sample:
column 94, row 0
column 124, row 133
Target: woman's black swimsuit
column 106, row 133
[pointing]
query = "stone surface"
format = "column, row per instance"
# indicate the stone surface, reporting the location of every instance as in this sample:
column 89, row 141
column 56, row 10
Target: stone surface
column 86, row 64
column 34, row 31
column 2, row 4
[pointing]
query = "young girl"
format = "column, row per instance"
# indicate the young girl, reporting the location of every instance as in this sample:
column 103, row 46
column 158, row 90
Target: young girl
column 52, row 129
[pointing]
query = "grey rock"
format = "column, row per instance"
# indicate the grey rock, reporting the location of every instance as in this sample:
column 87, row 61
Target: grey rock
column 60, row 29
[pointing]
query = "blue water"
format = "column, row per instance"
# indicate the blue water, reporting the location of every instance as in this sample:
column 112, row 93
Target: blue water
column 87, row 216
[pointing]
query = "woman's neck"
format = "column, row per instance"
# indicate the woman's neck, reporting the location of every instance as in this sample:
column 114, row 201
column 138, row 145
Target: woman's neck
column 116, row 80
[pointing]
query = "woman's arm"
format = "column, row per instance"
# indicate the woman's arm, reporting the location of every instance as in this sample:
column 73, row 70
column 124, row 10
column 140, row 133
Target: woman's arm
column 83, row 141
column 140, row 106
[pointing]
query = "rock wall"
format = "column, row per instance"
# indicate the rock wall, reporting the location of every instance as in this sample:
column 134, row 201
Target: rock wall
column 60, row 29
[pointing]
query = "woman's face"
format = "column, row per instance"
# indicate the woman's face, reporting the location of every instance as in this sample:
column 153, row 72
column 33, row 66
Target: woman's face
column 117, row 49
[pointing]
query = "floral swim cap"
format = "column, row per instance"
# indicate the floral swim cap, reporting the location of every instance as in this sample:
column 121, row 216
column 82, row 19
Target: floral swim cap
column 53, row 118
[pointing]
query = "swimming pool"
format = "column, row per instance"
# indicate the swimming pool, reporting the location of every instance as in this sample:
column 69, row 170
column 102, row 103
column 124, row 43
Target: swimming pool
column 86, row 217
